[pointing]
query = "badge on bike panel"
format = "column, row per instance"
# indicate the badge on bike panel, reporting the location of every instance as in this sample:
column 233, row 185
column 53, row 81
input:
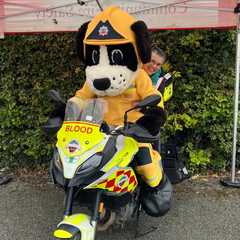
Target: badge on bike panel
column 120, row 182
column 73, row 146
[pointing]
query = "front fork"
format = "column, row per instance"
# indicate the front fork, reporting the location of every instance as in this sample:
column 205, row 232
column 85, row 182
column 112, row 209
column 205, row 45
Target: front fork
column 68, row 202
column 68, row 208
column 96, row 207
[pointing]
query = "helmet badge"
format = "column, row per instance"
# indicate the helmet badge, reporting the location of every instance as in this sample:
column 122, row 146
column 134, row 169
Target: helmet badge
column 103, row 30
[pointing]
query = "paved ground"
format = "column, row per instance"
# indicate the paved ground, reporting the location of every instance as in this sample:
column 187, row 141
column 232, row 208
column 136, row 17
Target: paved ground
column 202, row 210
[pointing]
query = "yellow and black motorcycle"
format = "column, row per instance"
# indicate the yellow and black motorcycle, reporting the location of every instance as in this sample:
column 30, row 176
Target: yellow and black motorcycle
column 93, row 163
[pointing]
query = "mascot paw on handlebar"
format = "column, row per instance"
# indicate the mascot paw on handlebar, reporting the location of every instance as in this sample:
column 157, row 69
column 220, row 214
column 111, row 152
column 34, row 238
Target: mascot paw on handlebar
column 113, row 46
column 153, row 119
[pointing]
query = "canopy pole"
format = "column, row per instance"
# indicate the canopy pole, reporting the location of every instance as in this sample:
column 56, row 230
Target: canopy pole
column 233, row 181
column 236, row 102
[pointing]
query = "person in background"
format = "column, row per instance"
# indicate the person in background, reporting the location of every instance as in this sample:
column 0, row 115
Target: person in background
column 164, row 83
column 161, row 80
column 156, row 73
column 154, row 67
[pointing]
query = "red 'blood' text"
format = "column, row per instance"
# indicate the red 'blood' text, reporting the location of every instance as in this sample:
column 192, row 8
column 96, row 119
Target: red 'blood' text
column 81, row 129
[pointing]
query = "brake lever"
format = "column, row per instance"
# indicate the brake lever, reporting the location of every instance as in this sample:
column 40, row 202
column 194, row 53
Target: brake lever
column 115, row 132
column 105, row 128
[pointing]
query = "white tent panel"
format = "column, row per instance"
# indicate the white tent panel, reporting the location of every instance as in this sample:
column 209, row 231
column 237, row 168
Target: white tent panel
column 59, row 15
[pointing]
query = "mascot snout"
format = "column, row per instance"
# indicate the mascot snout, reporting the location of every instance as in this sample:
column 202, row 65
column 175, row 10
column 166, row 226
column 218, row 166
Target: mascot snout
column 102, row 83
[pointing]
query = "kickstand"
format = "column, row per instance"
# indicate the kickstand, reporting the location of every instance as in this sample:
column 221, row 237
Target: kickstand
column 137, row 234
column 147, row 232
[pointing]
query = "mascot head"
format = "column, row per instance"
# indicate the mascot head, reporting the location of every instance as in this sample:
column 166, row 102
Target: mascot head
column 113, row 47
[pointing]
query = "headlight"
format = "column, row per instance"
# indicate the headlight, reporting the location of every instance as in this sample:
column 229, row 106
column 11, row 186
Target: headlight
column 90, row 164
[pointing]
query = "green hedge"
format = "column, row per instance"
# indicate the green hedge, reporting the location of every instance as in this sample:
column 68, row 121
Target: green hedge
column 29, row 67
column 200, row 112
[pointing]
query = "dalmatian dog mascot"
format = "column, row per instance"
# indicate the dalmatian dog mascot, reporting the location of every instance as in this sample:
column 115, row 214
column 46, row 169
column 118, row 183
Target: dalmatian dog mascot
column 113, row 47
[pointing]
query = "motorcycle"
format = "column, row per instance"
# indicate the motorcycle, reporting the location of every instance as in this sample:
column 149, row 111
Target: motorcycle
column 93, row 163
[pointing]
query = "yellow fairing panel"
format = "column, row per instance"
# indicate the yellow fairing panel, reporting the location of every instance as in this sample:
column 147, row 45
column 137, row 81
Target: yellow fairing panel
column 75, row 138
column 127, row 148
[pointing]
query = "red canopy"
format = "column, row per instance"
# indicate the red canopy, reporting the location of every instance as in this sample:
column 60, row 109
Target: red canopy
column 57, row 15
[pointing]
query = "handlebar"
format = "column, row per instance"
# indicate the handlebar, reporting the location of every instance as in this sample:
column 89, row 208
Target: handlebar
column 134, row 130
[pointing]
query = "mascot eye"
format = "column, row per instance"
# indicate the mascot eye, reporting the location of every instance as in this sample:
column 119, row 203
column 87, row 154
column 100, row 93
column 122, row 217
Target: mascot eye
column 95, row 56
column 117, row 56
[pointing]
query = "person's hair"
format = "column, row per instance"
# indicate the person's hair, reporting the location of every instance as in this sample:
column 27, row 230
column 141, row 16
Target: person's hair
column 159, row 52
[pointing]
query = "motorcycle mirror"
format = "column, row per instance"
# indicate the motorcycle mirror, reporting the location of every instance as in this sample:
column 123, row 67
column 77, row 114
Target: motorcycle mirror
column 52, row 126
column 55, row 96
column 152, row 100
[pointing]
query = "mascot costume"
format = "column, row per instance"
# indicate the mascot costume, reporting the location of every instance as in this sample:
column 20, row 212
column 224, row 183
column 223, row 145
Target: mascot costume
column 113, row 47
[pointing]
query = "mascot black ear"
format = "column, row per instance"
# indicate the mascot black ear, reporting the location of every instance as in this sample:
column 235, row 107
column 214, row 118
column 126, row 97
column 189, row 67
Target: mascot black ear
column 143, row 40
column 79, row 41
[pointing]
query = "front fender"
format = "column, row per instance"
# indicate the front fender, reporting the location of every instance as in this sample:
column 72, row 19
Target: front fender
column 75, row 224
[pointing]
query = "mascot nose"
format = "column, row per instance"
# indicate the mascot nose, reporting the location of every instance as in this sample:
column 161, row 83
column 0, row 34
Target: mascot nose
column 102, row 83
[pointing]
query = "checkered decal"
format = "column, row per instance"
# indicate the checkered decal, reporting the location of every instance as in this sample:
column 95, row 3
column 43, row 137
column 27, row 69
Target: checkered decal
column 120, row 181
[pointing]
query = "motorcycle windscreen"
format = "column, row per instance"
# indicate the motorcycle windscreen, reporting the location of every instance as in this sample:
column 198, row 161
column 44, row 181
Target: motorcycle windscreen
column 91, row 110
column 79, row 137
